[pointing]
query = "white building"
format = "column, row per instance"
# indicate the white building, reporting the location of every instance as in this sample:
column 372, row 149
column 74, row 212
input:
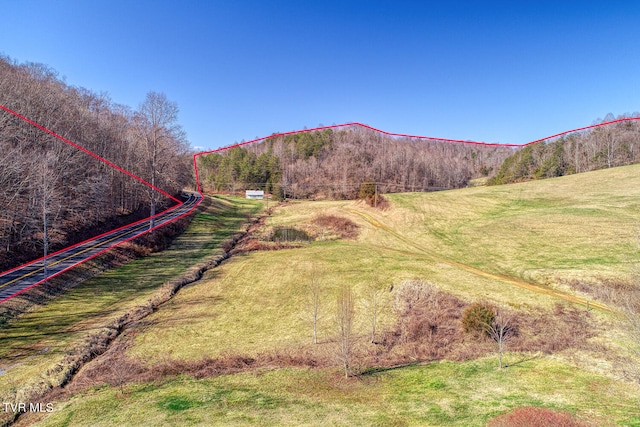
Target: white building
column 254, row 194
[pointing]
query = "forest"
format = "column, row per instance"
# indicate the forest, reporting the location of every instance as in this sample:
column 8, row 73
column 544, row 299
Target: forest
column 52, row 193
column 335, row 164
column 603, row 147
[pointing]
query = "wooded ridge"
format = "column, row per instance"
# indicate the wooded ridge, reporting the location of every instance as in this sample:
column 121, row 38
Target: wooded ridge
column 334, row 164
column 612, row 145
column 52, row 193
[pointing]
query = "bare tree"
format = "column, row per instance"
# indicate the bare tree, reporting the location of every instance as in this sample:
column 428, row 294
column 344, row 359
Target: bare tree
column 50, row 200
column 159, row 132
column 314, row 292
column 344, row 321
column 501, row 330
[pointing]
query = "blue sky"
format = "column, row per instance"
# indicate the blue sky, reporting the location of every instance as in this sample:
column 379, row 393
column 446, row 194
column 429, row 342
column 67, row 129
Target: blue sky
column 505, row 71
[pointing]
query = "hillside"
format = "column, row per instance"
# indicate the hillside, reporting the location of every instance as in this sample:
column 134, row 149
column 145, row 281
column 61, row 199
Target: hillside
column 236, row 348
column 53, row 194
column 335, row 163
column 615, row 144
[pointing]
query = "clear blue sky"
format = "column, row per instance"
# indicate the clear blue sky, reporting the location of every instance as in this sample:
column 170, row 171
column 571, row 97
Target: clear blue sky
column 501, row 71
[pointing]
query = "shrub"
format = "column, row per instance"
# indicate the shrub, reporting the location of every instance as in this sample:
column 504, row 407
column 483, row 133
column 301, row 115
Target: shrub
column 368, row 192
column 290, row 234
column 427, row 327
column 343, row 227
column 530, row 416
column 478, row 318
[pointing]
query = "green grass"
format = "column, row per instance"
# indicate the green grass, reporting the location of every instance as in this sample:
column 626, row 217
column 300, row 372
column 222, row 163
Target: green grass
column 580, row 225
column 476, row 243
column 259, row 301
column 37, row 340
column 439, row 394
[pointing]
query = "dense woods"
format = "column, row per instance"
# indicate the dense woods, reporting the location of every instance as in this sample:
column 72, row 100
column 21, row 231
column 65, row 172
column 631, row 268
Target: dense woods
column 334, row 164
column 603, row 147
column 52, row 193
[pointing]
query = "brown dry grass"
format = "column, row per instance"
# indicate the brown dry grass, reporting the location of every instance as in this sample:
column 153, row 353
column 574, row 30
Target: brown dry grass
column 613, row 292
column 341, row 226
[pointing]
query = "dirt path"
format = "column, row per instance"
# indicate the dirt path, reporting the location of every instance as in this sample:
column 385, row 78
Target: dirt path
column 541, row 289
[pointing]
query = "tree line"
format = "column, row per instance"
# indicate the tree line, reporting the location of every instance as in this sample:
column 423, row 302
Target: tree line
column 52, row 193
column 334, row 164
column 617, row 144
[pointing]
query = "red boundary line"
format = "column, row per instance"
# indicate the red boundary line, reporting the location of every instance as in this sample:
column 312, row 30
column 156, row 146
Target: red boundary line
column 428, row 138
column 91, row 238
column 197, row 175
column 113, row 165
column 91, row 153
column 103, row 251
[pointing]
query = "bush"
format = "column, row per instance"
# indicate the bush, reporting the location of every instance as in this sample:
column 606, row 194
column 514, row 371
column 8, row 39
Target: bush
column 369, row 193
column 478, row 318
column 343, row 227
column 530, row 416
column 290, row 234
column 428, row 325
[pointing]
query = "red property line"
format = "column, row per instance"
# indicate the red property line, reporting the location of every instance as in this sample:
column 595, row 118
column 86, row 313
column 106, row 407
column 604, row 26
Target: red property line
column 91, row 238
column 195, row 165
column 113, row 165
column 92, row 154
column 428, row 138
column 104, row 250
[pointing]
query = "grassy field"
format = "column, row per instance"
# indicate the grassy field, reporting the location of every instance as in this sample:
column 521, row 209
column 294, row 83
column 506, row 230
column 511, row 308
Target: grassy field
column 439, row 394
column 517, row 245
column 36, row 341
column 526, row 232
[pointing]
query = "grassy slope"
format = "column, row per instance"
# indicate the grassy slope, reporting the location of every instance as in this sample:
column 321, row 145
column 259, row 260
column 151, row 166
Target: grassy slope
column 578, row 226
column 434, row 395
column 39, row 339
column 525, row 230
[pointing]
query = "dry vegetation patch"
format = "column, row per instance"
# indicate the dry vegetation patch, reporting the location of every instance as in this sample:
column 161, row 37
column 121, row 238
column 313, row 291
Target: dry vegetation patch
column 614, row 292
column 429, row 328
column 536, row 417
column 333, row 225
column 272, row 238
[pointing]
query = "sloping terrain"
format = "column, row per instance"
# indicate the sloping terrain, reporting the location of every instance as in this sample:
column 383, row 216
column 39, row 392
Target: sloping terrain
column 236, row 347
column 42, row 347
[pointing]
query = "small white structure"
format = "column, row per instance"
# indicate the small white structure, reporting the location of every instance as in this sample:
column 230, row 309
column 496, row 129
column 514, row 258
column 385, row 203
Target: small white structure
column 254, row 194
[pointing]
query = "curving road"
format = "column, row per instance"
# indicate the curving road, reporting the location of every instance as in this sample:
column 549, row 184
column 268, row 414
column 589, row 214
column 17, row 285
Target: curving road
column 18, row 280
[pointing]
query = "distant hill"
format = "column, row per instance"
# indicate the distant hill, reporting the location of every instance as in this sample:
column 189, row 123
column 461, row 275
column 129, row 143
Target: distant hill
column 617, row 144
column 334, row 164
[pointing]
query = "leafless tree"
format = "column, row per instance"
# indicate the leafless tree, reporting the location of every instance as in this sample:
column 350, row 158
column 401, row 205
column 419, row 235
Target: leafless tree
column 501, row 330
column 314, row 288
column 345, row 327
column 158, row 130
